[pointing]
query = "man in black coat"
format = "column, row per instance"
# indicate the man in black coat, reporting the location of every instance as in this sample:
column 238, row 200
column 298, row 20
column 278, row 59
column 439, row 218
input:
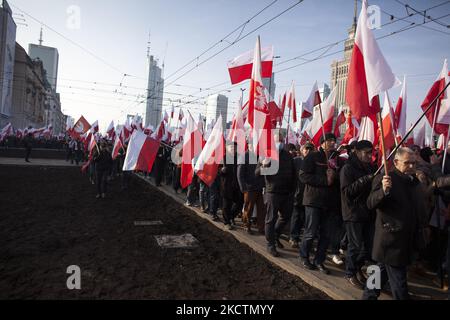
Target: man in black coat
column 251, row 186
column 399, row 199
column 321, row 199
column 356, row 184
column 279, row 196
column 298, row 214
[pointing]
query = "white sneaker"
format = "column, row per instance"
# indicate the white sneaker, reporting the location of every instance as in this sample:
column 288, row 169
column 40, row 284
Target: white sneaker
column 341, row 251
column 337, row 260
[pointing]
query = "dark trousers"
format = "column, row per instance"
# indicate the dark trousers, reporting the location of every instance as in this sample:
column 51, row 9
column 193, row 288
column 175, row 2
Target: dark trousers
column 279, row 211
column 317, row 220
column 337, row 232
column 297, row 222
column 397, row 277
column 448, row 260
column 125, row 179
column 203, row 195
column 159, row 171
column 213, row 197
column 358, row 247
column 27, row 153
column 101, row 176
column 252, row 199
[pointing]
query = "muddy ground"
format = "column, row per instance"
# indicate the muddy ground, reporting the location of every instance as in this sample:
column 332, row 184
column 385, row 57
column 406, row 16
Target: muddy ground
column 50, row 219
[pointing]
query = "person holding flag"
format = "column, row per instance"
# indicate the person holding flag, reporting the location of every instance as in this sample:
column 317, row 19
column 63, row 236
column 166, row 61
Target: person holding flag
column 103, row 162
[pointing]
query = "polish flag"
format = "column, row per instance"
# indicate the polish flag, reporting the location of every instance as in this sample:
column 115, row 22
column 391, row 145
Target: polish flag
column 80, row 127
column 94, row 127
column 117, row 146
column 172, row 112
column 236, row 132
column 340, row 120
column 291, row 102
column 240, row 68
column 141, row 152
column 275, row 113
column 351, row 134
column 369, row 73
column 313, row 100
column 159, row 132
column 292, row 136
column 258, row 112
column 441, row 142
column 6, row 131
column 126, row 132
column 211, row 156
column 283, row 106
column 400, row 112
column 314, row 129
column 180, row 115
column 442, row 103
column 419, row 135
column 192, row 146
column 369, row 125
column 92, row 144
column 387, row 116
column 110, row 131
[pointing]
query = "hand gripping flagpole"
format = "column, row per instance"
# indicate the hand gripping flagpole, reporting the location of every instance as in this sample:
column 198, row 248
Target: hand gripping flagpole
column 412, row 127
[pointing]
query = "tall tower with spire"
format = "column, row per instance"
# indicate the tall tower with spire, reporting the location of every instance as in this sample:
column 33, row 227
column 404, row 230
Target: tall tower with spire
column 49, row 57
column 155, row 88
column 339, row 68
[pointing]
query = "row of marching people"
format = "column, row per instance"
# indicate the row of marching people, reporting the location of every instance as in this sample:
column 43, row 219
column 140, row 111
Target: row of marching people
column 328, row 202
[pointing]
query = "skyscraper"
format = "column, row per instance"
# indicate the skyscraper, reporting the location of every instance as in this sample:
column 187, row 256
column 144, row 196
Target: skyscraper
column 339, row 68
column 50, row 59
column 7, row 54
column 155, row 89
column 217, row 104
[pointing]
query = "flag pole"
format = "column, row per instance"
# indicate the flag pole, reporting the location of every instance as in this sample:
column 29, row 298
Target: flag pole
column 414, row 125
column 383, row 150
column 289, row 124
column 321, row 120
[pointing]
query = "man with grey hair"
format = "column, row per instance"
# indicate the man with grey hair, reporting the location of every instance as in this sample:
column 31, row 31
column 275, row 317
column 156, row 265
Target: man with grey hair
column 399, row 201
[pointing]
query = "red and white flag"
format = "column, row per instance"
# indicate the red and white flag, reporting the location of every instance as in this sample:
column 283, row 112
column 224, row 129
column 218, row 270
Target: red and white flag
column 313, row 100
column 172, row 112
column 369, row 73
column 80, row 127
column 400, row 112
column 283, row 107
column 442, row 105
column 117, row 146
column 160, row 131
column 211, row 157
column 192, row 146
column 237, row 133
column 240, row 68
column 291, row 102
column 419, row 135
column 6, row 131
column 368, row 129
column 94, row 127
column 387, row 116
column 92, row 144
column 141, row 152
column 314, row 128
column 111, row 132
column 351, row 134
column 258, row 112
column 340, row 120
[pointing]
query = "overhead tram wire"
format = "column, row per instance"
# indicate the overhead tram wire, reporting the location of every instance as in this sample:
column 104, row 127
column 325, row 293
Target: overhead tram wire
column 241, row 26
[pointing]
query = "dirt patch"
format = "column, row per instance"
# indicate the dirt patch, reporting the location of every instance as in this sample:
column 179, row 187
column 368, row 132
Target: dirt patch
column 50, row 219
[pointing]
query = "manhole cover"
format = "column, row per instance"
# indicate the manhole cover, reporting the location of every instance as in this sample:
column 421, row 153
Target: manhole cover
column 182, row 241
column 148, row 223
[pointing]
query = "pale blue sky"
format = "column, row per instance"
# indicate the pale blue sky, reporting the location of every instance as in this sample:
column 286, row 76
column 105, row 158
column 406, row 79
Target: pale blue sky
column 117, row 31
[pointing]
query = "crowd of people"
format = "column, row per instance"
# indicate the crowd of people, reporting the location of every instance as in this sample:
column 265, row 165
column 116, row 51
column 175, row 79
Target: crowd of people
column 329, row 201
